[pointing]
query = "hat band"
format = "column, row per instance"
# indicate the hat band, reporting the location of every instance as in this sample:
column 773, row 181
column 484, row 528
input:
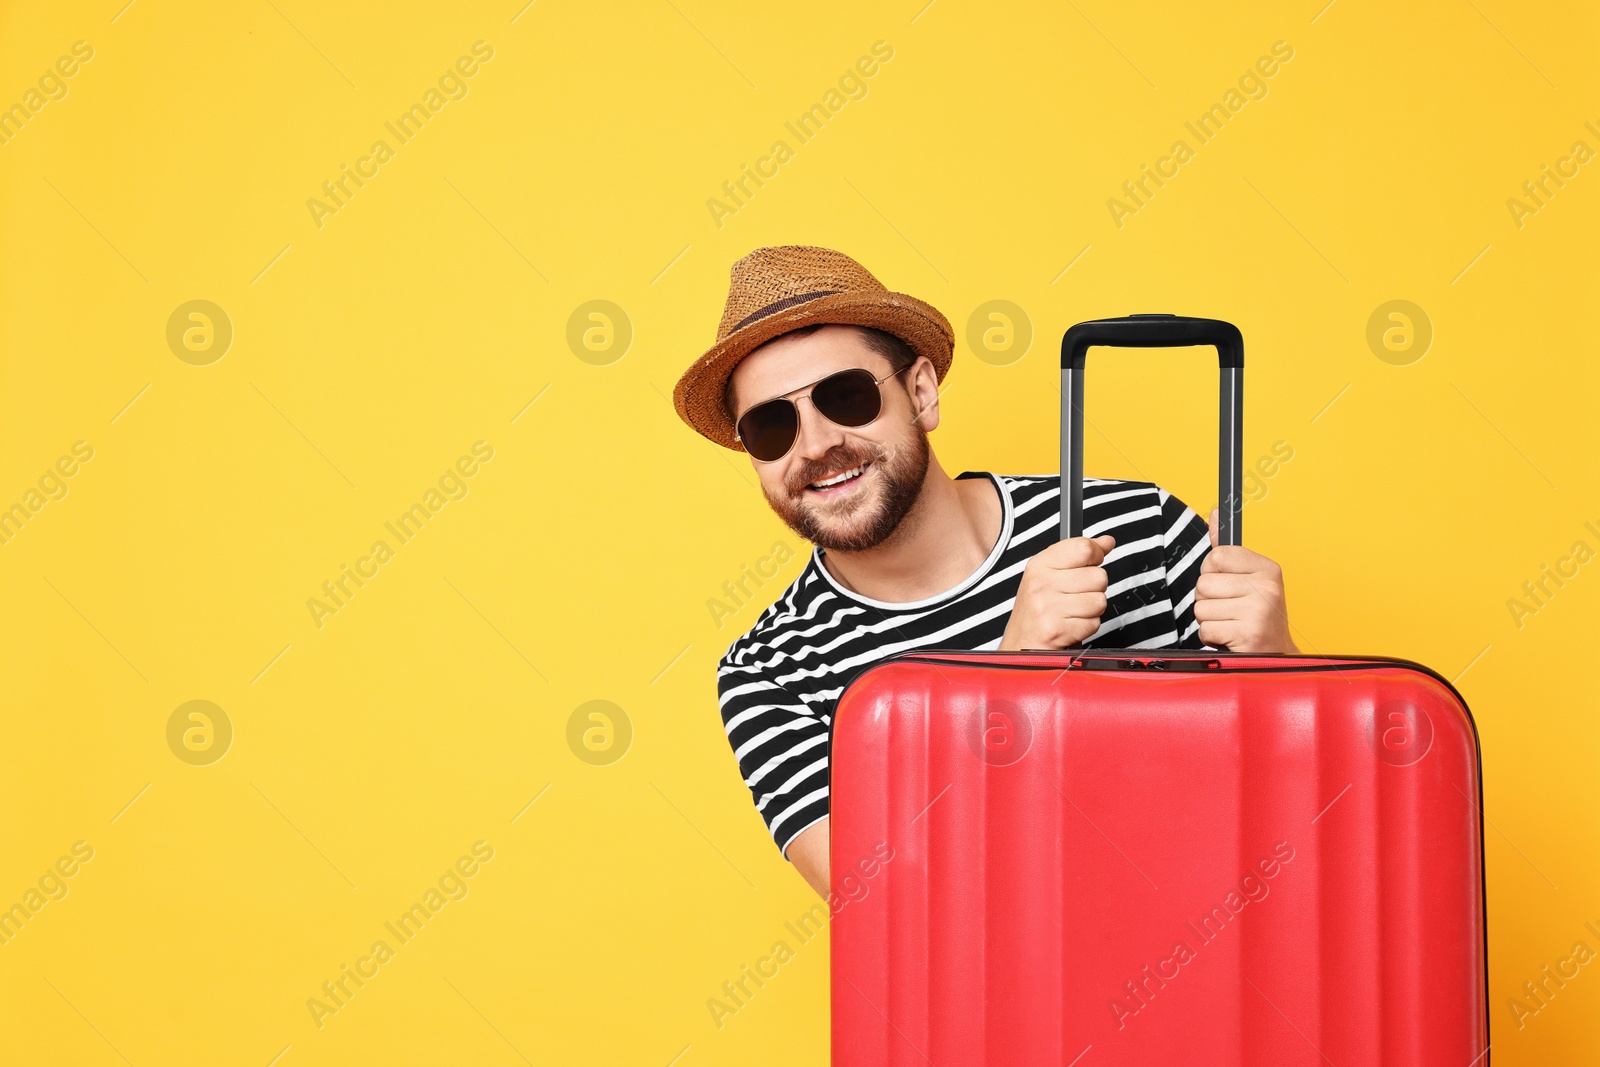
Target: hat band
column 780, row 305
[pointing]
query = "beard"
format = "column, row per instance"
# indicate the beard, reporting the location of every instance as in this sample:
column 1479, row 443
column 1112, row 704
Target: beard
column 869, row 516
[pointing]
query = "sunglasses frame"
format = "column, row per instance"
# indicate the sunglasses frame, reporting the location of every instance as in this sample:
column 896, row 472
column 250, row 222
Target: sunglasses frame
column 794, row 401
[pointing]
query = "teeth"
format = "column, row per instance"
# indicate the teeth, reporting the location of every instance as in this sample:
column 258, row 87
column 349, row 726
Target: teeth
column 836, row 479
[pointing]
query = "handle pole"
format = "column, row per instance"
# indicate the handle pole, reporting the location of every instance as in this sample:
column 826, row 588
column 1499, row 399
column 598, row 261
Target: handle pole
column 1230, row 457
column 1071, row 453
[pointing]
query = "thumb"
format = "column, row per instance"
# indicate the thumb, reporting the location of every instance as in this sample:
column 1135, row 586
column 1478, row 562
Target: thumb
column 1213, row 528
column 1106, row 543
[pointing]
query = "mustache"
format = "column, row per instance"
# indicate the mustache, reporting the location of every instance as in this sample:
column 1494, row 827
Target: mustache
column 837, row 458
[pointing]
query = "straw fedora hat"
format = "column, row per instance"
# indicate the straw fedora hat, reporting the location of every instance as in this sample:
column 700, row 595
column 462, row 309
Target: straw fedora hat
column 775, row 290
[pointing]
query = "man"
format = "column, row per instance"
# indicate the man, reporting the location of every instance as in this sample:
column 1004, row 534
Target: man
column 831, row 383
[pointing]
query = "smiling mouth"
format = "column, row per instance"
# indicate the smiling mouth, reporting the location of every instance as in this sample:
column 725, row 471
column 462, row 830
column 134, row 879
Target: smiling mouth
column 840, row 483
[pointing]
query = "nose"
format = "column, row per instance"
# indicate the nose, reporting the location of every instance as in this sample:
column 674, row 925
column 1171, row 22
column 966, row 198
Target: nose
column 817, row 433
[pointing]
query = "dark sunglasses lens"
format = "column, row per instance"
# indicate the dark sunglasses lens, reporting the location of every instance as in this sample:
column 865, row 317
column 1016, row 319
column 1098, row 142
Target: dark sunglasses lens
column 768, row 430
column 849, row 398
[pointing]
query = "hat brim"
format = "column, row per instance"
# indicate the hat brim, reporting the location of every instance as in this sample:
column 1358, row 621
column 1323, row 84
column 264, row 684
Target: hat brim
column 698, row 395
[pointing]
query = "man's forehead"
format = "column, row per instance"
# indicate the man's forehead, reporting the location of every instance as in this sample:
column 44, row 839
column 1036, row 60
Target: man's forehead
column 791, row 361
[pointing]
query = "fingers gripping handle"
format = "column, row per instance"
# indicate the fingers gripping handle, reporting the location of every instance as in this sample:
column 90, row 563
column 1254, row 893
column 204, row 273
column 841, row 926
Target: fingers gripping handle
column 1156, row 331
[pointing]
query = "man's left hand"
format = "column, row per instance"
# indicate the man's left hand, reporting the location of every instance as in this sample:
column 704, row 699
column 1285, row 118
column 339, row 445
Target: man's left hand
column 1239, row 600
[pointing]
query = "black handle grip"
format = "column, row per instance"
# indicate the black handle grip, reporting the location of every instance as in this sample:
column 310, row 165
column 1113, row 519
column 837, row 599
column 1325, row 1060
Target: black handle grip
column 1156, row 331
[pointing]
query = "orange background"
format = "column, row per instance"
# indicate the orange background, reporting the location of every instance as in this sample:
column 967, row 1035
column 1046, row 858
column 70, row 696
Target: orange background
column 434, row 709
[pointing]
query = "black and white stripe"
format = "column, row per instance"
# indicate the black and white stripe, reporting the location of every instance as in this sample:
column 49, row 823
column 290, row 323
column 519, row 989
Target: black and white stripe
column 778, row 684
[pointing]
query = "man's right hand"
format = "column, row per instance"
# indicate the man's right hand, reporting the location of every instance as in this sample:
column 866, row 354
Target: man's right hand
column 1062, row 595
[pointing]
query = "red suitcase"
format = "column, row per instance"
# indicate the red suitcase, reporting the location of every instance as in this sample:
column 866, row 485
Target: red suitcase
column 1122, row 858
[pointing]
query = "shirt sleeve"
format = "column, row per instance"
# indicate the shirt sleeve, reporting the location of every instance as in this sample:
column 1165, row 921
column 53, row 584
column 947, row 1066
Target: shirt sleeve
column 782, row 749
column 1186, row 539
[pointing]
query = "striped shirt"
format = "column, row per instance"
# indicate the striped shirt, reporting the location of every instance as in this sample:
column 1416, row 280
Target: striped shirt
column 779, row 683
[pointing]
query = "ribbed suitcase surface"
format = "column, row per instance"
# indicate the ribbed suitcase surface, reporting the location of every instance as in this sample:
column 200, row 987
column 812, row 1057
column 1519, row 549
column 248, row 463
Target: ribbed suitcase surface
column 1156, row 858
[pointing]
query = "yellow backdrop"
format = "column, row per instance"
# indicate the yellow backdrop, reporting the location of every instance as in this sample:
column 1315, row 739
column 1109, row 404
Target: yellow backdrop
column 337, row 346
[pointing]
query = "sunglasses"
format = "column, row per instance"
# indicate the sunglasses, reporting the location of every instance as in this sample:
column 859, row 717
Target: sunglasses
column 848, row 397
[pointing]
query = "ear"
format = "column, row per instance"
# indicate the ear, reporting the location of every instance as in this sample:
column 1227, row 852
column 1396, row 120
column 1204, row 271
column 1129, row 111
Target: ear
column 922, row 386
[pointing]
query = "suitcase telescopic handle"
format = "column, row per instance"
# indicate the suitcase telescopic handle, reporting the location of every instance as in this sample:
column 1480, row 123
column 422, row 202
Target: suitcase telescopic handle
column 1155, row 331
